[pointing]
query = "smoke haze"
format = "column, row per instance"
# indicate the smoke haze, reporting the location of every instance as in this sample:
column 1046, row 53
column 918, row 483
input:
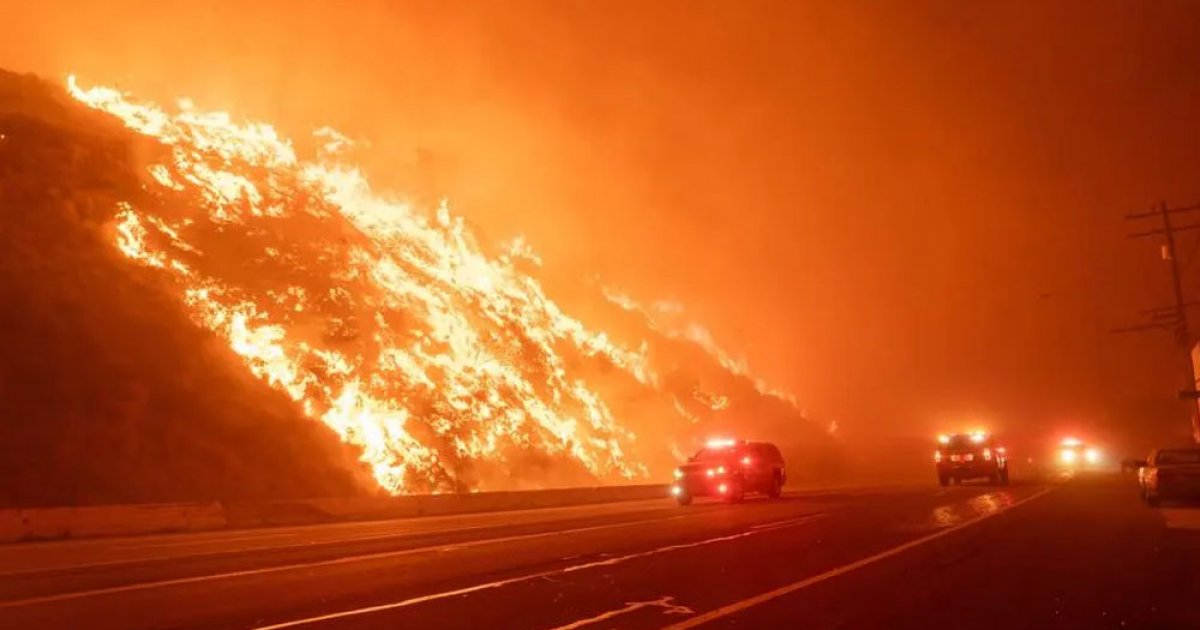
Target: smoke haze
column 908, row 215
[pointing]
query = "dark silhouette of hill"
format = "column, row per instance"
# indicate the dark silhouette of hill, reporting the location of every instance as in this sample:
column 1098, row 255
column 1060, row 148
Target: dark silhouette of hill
column 108, row 392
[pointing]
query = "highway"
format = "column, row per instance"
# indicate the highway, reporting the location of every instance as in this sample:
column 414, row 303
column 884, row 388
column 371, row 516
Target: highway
column 1081, row 554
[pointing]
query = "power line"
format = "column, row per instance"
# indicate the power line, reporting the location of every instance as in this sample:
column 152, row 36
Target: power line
column 1174, row 317
column 1170, row 254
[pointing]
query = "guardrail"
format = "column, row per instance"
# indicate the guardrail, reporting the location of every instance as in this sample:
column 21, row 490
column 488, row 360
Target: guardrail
column 128, row 520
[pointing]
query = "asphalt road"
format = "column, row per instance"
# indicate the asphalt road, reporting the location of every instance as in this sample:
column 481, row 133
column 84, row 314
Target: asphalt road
column 1083, row 554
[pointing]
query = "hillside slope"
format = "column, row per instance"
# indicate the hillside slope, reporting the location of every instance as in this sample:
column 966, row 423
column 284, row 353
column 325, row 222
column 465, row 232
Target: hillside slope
column 108, row 393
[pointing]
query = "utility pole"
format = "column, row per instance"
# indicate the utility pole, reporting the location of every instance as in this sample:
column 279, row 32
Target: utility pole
column 1176, row 317
column 1172, row 317
column 1182, row 335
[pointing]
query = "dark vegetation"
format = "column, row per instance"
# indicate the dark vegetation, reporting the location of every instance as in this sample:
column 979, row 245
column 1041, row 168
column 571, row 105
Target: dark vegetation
column 108, row 393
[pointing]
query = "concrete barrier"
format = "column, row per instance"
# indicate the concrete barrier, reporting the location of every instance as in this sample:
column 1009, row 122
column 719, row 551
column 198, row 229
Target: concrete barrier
column 128, row 520
column 108, row 520
column 308, row 511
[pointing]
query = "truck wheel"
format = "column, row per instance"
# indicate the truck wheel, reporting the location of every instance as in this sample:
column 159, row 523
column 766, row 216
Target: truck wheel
column 776, row 488
column 944, row 480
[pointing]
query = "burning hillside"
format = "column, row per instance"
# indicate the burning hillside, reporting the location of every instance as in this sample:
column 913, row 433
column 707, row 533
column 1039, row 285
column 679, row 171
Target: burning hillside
column 441, row 361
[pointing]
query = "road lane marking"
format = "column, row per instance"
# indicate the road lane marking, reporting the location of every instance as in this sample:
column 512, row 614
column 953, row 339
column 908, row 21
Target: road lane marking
column 412, row 601
column 185, row 543
column 739, row 606
column 321, row 563
column 664, row 602
column 302, row 530
column 783, row 523
column 268, row 535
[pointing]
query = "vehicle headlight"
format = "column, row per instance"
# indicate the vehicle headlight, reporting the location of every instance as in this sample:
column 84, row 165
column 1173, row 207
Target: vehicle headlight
column 1092, row 455
column 678, row 474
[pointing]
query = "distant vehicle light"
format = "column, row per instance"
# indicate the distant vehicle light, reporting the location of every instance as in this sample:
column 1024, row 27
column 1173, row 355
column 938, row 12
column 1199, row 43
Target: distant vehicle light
column 969, row 457
column 675, row 490
column 710, row 472
column 1068, row 456
column 678, row 474
column 720, row 470
column 1070, row 441
column 987, row 454
column 1001, row 450
column 746, row 461
column 722, row 488
column 1091, row 455
column 943, row 439
column 720, row 443
column 978, row 437
column 937, row 456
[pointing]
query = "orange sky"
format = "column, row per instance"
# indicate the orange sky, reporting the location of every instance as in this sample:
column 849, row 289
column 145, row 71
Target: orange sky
column 906, row 213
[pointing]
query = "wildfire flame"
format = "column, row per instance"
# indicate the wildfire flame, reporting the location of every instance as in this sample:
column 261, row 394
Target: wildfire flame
column 389, row 324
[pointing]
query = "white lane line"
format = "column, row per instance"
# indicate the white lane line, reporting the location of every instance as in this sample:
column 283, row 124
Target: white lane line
column 664, row 602
column 310, row 542
column 323, row 563
column 532, row 576
column 736, row 607
column 783, row 523
column 185, row 543
column 306, row 544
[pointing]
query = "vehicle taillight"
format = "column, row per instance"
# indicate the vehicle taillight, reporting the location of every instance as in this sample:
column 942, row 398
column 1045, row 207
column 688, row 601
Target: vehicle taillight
column 987, row 453
column 722, row 488
column 937, row 456
column 720, row 470
column 710, row 472
column 746, row 460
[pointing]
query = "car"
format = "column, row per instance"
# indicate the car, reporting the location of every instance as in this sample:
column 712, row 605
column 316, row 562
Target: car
column 963, row 456
column 730, row 469
column 1170, row 474
column 1073, row 455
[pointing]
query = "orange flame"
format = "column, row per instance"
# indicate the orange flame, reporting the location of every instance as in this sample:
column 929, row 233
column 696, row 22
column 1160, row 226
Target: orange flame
column 391, row 327
column 447, row 367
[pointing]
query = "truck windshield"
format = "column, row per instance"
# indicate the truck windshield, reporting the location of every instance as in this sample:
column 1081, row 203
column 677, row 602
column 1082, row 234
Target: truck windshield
column 1180, row 456
column 713, row 454
column 961, row 443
